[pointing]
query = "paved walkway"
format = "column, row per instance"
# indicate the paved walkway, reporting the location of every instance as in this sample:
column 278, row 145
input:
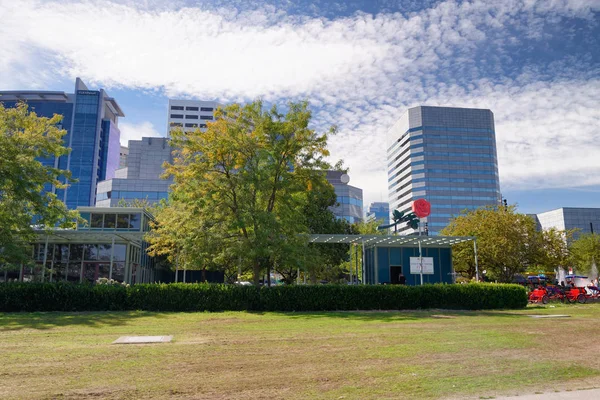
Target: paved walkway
column 573, row 395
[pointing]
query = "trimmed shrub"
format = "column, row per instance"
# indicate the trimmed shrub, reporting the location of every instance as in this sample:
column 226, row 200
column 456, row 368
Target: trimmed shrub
column 210, row 297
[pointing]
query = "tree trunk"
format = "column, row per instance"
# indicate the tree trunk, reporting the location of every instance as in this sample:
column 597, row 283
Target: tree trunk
column 203, row 273
column 256, row 273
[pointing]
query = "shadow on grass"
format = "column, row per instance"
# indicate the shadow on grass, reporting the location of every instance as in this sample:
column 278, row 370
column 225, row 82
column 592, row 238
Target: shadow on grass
column 49, row 320
column 401, row 315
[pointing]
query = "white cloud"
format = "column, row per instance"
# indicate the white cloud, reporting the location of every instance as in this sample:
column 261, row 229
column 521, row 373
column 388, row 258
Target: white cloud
column 362, row 71
column 136, row 131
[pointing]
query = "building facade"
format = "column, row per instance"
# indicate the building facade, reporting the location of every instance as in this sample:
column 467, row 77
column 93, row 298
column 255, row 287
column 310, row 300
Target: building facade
column 141, row 179
column 446, row 156
column 349, row 198
column 110, row 244
column 379, row 211
column 123, row 153
column 190, row 115
column 90, row 118
column 585, row 220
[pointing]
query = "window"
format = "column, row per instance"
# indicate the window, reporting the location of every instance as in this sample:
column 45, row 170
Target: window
column 176, row 115
column 110, row 221
column 176, row 124
column 191, row 108
column 191, row 125
column 135, row 221
column 208, row 117
column 97, row 220
column 191, row 117
column 203, row 125
column 178, row 108
column 122, row 221
column 206, row 109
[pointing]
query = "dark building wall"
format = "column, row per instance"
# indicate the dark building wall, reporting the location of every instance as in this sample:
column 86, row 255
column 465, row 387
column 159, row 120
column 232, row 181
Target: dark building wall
column 400, row 256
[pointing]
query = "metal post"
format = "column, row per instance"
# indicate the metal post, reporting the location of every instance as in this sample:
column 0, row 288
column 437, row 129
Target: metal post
column 356, row 261
column 364, row 272
column 239, row 268
column 298, row 276
column 420, row 263
column 45, row 258
column 376, row 265
column 476, row 262
column 112, row 256
column 176, row 267
column 350, row 269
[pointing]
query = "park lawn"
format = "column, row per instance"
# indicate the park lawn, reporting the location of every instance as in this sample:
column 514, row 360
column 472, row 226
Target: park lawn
column 350, row 355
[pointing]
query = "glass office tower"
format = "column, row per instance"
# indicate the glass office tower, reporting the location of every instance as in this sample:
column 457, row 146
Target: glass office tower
column 90, row 118
column 445, row 155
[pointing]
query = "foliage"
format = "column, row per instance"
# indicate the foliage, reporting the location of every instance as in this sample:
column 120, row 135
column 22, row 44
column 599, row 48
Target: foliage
column 355, row 253
column 207, row 297
column 585, row 251
column 507, row 242
column 555, row 249
column 25, row 139
column 240, row 188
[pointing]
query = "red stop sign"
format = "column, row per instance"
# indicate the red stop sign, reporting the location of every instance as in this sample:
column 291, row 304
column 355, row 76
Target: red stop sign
column 421, row 208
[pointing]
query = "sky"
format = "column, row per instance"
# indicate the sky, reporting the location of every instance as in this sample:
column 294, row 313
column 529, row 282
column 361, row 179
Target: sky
column 360, row 64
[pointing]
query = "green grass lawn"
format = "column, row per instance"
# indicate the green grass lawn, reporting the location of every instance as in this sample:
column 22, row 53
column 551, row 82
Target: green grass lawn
column 350, row 355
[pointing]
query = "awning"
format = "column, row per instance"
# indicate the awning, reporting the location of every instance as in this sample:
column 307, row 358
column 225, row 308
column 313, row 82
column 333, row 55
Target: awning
column 91, row 237
column 391, row 240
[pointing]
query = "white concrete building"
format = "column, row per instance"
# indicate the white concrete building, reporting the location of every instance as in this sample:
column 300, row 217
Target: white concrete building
column 190, row 114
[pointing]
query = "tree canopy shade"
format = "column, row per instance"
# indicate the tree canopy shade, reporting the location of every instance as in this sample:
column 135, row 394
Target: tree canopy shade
column 25, row 139
column 507, row 242
column 240, row 188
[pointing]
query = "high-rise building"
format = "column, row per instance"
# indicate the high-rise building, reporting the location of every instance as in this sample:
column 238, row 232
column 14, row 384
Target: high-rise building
column 585, row 220
column 190, row 115
column 379, row 211
column 90, row 118
column 349, row 198
column 445, row 155
column 123, row 153
column 141, row 179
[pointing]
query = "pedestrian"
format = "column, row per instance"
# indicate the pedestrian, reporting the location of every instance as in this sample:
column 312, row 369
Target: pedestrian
column 402, row 279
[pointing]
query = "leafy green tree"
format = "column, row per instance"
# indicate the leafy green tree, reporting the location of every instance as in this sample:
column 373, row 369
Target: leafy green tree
column 25, row 139
column 242, row 184
column 585, row 251
column 555, row 249
column 355, row 254
column 507, row 242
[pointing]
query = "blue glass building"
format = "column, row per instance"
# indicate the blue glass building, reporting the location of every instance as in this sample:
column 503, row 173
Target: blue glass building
column 90, row 118
column 445, row 155
column 379, row 211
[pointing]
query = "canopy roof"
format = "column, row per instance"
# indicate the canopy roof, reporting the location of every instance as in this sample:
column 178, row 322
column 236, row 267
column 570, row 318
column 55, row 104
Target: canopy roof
column 390, row 240
column 91, row 237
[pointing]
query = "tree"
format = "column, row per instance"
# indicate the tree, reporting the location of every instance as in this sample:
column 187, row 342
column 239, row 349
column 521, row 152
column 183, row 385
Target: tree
column 242, row 184
column 507, row 242
column 355, row 254
column 555, row 249
column 585, row 252
column 25, row 139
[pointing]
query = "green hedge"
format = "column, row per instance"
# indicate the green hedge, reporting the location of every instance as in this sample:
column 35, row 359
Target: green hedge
column 207, row 297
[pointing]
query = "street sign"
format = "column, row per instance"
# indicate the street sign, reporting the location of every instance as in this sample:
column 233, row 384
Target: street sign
column 427, row 265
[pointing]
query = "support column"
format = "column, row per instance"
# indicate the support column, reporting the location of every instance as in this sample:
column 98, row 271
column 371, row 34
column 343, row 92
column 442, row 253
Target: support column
column 364, row 269
column 376, row 265
column 112, row 256
column 45, row 259
column 476, row 261
column 420, row 263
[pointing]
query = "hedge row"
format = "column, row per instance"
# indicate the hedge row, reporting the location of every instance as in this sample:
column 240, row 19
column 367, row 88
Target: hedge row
column 209, row 297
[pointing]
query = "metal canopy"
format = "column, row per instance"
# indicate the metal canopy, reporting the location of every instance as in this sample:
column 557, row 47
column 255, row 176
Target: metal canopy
column 391, row 241
column 74, row 236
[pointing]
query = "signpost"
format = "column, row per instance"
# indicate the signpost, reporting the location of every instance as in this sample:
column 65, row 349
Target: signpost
column 421, row 265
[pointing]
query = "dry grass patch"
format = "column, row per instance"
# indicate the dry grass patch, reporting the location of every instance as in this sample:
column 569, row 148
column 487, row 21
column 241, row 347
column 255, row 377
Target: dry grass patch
column 295, row 355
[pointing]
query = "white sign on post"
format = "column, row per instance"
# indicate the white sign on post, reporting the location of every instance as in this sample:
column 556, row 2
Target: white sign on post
column 427, row 265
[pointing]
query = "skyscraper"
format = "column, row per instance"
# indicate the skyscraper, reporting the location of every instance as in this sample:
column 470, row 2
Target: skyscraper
column 141, row 179
column 90, row 118
column 445, row 155
column 190, row 115
column 379, row 211
column 349, row 198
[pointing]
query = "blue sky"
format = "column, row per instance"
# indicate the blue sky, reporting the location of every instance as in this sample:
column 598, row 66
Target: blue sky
column 361, row 64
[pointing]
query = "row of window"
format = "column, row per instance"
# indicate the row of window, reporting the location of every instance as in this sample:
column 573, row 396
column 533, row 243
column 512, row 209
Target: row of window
column 179, row 124
column 449, row 129
column 457, row 189
column 451, row 154
column 349, row 200
column 189, row 108
column 446, row 162
column 124, row 221
column 478, row 198
column 461, row 171
column 78, row 252
column 435, row 136
column 192, row 116
column 456, row 180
